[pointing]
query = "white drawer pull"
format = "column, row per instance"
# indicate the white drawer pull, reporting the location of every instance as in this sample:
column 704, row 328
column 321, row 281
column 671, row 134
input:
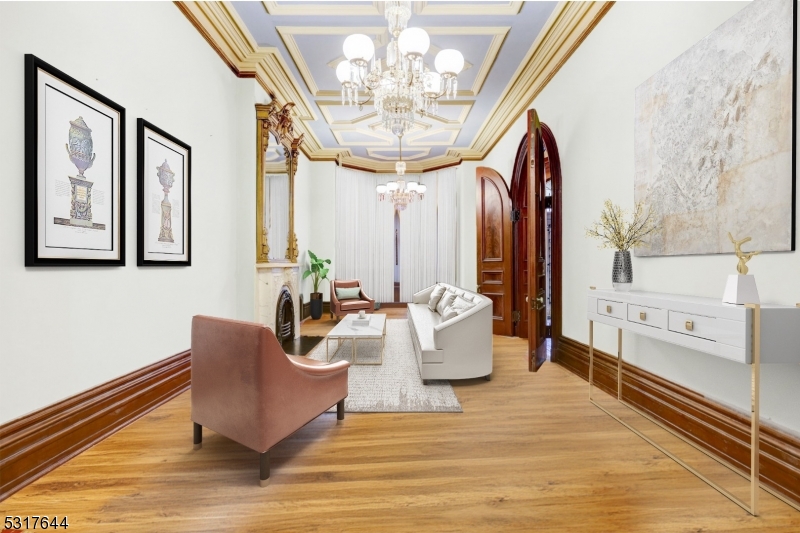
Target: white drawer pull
column 608, row 309
column 690, row 325
column 642, row 316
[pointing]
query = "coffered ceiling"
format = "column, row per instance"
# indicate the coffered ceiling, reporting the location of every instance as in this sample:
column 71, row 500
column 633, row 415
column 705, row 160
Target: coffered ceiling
column 511, row 49
column 493, row 36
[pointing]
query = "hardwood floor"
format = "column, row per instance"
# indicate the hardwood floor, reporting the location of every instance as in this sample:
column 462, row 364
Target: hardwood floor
column 528, row 453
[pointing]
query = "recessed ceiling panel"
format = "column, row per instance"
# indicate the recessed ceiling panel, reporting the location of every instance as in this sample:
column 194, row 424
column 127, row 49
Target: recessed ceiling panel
column 494, row 38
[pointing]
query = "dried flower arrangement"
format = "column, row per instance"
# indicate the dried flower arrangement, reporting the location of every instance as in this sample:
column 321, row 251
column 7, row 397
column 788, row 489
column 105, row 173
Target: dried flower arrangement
column 615, row 232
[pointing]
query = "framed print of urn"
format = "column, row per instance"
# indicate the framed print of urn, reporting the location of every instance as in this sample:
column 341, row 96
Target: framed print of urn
column 74, row 171
column 163, row 198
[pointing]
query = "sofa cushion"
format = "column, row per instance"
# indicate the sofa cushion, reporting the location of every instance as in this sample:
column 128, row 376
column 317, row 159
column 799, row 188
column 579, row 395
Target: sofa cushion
column 424, row 320
column 459, row 306
column 349, row 305
column 445, row 301
column 348, row 293
column 436, row 295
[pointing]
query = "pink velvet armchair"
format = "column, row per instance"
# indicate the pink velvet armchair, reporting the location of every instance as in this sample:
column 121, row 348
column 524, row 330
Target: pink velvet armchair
column 246, row 388
column 344, row 307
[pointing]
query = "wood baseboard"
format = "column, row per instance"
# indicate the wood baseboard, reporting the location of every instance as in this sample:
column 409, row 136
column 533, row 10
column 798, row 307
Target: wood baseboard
column 37, row 443
column 712, row 426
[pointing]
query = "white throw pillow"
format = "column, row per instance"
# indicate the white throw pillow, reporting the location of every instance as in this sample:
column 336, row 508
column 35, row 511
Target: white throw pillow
column 448, row 314
column 436, row 295
column 458, row 307
column 444, row 302
column 461, row 305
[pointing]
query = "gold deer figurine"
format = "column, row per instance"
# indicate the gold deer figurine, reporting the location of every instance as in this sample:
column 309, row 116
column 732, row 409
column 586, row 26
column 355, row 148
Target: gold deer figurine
column 744, row 257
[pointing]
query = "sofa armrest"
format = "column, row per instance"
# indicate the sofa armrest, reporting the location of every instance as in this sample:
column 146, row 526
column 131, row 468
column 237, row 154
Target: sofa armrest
column 423, row 296
column 318, row 368
column 364, row 296
column 334, row 299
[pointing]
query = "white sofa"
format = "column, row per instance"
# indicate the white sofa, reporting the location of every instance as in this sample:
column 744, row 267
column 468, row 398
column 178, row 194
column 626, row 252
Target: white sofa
column 458, row 348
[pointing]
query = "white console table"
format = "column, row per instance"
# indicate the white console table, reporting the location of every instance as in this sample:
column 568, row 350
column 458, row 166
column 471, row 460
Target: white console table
column 751, row 334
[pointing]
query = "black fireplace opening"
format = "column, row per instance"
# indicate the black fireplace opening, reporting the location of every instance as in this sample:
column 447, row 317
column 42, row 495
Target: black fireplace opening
column 284, row 321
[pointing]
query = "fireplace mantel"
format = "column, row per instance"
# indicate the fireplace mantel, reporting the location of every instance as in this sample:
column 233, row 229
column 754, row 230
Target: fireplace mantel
column 270, row 279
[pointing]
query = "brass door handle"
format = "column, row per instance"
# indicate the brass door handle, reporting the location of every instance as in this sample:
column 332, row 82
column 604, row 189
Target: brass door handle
column 642, row 316
column 690, row 325
column 608, row 309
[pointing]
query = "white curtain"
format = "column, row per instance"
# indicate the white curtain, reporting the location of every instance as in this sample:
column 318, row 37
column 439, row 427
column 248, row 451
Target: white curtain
column 429, row 234
column 276, row 217
column 364, row 233
column 447, row 231
column 418, row 239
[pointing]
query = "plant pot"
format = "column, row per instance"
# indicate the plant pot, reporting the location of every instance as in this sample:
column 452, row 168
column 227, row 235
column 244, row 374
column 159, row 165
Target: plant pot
column 316, row 305
column 622, row 275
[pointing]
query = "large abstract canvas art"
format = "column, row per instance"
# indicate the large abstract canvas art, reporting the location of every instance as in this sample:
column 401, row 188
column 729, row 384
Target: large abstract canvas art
column 714, row 138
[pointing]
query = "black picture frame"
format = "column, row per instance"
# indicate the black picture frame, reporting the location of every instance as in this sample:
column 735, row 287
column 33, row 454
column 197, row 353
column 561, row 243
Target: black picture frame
column 143, row 256
column 65, row 255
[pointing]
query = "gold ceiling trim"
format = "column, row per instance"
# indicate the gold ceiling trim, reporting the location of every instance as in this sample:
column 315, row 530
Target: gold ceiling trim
column 468, row 8
column 320, row 8
column 409, row 154
column 287, row 34
column 412, row 167
column 569, row 24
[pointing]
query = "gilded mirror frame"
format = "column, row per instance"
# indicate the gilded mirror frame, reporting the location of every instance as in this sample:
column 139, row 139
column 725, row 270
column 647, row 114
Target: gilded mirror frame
column 277, row 120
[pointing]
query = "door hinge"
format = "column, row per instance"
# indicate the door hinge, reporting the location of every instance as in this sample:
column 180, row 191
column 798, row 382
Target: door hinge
column 515, row 215
column 516, row 317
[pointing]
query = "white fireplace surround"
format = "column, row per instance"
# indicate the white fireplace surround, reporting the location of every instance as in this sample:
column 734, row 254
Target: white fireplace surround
column 270, row 280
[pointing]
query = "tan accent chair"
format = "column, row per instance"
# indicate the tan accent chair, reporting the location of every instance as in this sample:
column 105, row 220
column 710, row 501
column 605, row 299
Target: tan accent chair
column 345, row 307
column 246, row 388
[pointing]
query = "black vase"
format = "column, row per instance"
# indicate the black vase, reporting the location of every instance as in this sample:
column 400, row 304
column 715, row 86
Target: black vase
column 316, row 305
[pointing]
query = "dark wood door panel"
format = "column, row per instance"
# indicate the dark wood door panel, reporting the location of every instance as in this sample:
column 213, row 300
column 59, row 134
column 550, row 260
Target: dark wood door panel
column 495, row 247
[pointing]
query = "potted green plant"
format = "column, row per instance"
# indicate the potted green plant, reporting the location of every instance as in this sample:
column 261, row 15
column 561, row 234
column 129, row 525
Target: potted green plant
column 318, row 272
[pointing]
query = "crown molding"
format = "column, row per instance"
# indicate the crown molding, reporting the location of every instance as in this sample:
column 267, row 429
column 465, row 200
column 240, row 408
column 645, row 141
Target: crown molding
column 568, row 26
column 412, row 167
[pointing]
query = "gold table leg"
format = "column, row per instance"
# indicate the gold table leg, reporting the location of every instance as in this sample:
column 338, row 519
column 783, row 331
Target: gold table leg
column 755, row 390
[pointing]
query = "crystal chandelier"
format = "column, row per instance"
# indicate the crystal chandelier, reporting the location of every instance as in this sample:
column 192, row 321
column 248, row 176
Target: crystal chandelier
column 399, row 192
column 401, row 85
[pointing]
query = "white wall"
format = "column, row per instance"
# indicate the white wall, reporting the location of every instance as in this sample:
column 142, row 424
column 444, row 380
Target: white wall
column 589, row 105
column 64, row 330
column 321, row 205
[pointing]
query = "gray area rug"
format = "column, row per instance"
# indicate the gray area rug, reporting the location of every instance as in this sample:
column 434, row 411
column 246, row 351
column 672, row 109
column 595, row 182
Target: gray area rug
column 395, row 386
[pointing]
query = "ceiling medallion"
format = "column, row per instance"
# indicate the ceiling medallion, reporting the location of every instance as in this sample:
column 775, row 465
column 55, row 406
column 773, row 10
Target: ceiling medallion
column 401, row 85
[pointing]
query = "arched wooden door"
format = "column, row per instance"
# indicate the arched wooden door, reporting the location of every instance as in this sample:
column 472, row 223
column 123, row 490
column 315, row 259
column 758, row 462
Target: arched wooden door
column 519, row 205
column 537, row 267
column 495, row 277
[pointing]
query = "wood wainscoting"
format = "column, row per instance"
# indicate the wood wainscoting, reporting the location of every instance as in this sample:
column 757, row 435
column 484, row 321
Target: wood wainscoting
column 708, row 424
column 37, row 443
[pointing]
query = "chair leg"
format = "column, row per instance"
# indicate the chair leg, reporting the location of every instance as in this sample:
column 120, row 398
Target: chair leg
column 340, row 410
column 198, row 436
column 264, row 477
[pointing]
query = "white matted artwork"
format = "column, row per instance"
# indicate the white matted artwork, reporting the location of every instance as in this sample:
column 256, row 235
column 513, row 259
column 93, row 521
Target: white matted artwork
column 74, row 171
column 164, row 201
column 714, row 138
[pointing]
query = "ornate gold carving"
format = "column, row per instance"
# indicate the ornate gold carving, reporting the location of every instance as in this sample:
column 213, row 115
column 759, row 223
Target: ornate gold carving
column 276, row 119
column 292, row 250
column 264, row 244
column 744, row 257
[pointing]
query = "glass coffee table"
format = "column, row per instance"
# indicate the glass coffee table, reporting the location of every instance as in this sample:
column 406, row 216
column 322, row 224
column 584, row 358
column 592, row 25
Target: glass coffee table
column 373, row 327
